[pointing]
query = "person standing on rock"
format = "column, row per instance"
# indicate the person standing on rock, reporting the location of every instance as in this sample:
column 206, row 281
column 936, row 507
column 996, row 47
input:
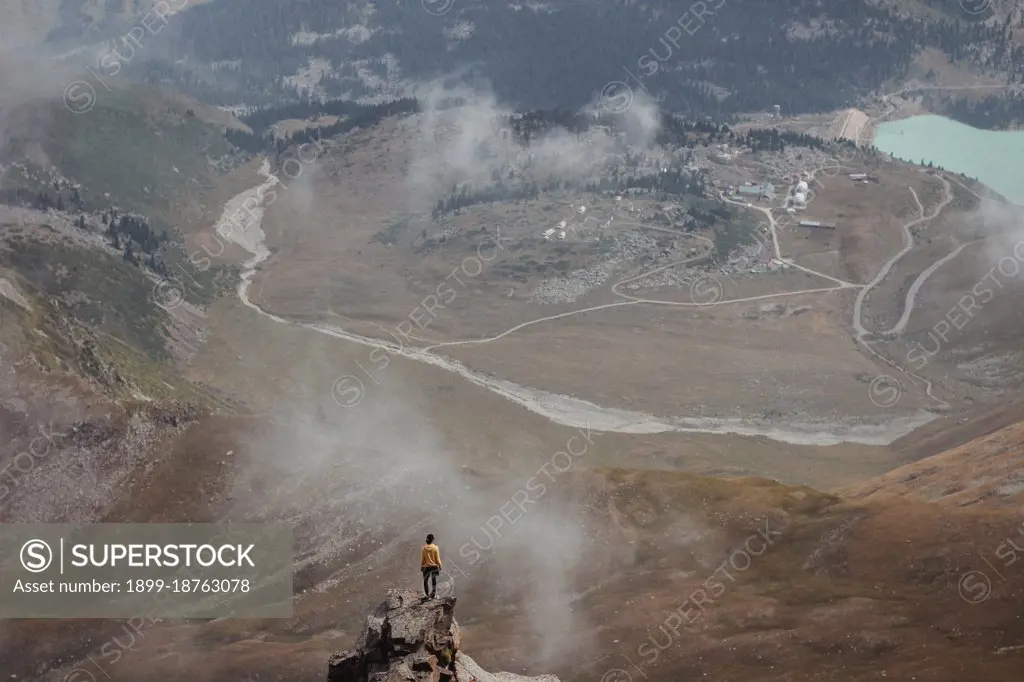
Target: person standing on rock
column 430, row 565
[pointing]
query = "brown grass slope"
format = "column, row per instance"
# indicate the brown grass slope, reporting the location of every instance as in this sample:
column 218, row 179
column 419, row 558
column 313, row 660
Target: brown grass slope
column 984, row 473
column 846, row 589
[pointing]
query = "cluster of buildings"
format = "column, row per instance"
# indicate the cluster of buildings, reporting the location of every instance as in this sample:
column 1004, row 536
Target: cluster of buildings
column 550, row 232
column 560, row 231
column 757, row 191
column 798, row 201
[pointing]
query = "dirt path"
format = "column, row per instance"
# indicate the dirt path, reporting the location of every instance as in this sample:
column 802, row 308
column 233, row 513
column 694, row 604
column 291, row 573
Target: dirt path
column 908, row 306
column 908, row 245
column 650, row 301
column 573, row 412
column 861, row 332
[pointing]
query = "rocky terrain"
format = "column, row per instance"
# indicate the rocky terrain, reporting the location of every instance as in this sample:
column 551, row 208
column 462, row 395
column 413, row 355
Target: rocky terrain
column 570, row 288
column 411, row 639
column 728, row 579
column 597, row 520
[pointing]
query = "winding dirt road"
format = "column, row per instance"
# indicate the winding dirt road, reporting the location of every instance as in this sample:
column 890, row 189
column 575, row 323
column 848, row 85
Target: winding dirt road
column 862, row 334
column 908, row 245
column 576, row 413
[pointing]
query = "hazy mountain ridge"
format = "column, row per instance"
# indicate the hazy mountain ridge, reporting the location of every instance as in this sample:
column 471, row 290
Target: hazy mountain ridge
column 66, row 24
column 804, row 56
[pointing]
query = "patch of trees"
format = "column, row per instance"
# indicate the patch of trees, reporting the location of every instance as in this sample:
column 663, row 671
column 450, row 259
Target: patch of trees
column 254, row 144
column 711, row 214
column 367, row 118
column 532, row 124
column 138, row 241
column 672, row 182
column 359, row 116
column 995, row 112
column 261, row 120
column 528, row 126
column 467, row 196
column 674, row 131
column 773, row 140
column 60, row 198
column 728, row 236
column 677, row 131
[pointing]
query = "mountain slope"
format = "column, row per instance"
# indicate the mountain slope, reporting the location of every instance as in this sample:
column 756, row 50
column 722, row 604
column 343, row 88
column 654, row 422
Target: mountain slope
column 101, row 210
column 595, row 570
column 982, row 473
column 803, row 56
column 681, row 576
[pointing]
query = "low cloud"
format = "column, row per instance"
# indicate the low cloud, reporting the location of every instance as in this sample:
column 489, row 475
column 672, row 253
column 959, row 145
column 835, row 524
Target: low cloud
column 471, row 144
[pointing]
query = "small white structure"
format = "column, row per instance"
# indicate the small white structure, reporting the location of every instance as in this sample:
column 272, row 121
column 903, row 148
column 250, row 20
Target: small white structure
column 548, row 232
column 581, row 209
column 618, row 198
column 801, row 186
column 561, row 225
column 561, row 235
column 800, row 199
column 791, row 210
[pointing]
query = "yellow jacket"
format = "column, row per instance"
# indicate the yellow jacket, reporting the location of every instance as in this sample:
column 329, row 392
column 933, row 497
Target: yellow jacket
column 431, row 556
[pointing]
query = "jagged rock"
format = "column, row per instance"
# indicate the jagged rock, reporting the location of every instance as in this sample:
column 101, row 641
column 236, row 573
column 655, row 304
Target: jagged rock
column 466, row 669
column 407, row 639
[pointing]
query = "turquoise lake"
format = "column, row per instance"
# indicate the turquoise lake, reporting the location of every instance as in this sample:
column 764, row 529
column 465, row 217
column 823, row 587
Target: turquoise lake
column 996, row 158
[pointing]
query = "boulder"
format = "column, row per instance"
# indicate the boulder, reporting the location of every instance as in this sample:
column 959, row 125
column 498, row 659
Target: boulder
column 409, row 639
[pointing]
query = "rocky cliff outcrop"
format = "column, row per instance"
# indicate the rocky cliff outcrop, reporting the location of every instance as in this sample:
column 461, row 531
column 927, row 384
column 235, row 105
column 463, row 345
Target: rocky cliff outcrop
column 407, row 639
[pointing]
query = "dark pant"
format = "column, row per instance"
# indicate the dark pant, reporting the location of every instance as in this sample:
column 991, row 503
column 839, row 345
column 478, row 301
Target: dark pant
column 430, row 574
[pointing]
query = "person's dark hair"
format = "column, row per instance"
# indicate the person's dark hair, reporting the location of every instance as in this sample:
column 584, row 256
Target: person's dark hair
column 430, row 538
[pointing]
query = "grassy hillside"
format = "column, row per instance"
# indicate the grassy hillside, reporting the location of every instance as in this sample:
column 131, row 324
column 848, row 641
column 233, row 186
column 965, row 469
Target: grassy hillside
column 94, row 343
column 70, row 181
column 135, row 148
column 682, row 576
column 113, row 296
